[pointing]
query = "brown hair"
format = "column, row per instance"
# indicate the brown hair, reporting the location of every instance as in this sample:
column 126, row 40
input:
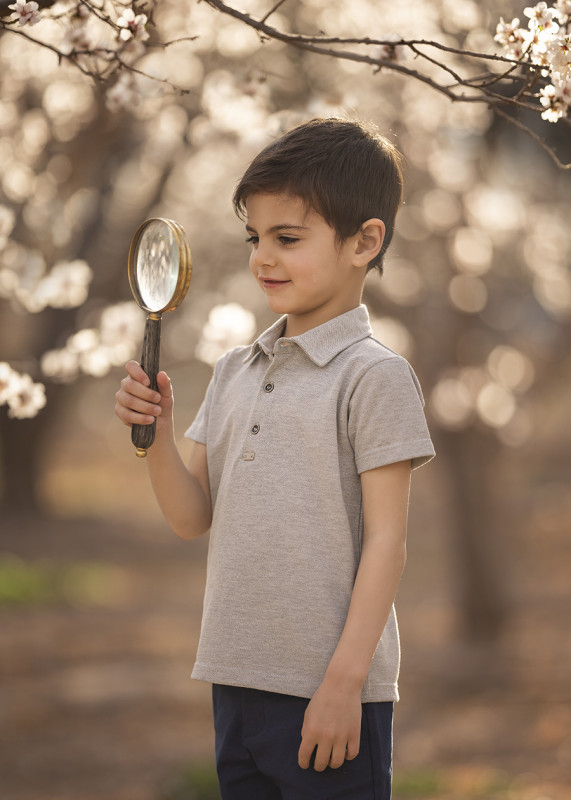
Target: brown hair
column 342, row 169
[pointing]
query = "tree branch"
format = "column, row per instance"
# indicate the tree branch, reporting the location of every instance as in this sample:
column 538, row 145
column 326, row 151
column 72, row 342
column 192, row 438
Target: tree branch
column 541, row 142
column 494, row 100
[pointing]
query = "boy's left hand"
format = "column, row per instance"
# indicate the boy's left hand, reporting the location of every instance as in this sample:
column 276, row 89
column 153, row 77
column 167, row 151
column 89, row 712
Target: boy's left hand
column 332, row 724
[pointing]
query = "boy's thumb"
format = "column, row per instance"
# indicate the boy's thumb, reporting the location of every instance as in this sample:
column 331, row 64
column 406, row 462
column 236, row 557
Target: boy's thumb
column 164, row 384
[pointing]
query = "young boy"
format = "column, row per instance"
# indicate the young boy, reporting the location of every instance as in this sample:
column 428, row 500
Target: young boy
column 300, row 467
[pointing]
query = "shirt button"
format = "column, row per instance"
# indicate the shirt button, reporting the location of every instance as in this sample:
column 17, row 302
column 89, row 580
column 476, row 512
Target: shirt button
column 269, row 387
column 256, row 429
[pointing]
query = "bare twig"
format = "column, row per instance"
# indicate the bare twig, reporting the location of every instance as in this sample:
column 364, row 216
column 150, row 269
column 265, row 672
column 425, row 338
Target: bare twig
column 271, row 11
column 541, row 142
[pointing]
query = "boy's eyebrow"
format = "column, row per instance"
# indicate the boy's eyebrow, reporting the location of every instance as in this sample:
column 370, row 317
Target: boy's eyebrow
column 281, row 227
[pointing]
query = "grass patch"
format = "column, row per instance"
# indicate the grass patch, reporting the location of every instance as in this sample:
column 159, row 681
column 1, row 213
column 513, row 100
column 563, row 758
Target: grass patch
column 25, row 583
column 416, row 784
column 197, row 782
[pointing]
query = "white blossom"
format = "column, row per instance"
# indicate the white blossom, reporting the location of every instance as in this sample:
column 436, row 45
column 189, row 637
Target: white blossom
column 512, row 38
column 26, row 398
column 558, row 53
column 83, row 341
column 77, row 38
column 92, row 356
column 562, row 83
column 25, row 13
column 389, row 51
column 7, row 376
column 7, row 222
column 132, row 26
column 516, row 48
column 122, row 322
column 82, row 11
column 563, row 10
column 60, row 365
column 535, row 44
column 95, row 362
column 121, row 95
column 506, row 31
column 228, row 326
column 548, row 47
column 556, row 98
column 66, row 285
column 541, row 17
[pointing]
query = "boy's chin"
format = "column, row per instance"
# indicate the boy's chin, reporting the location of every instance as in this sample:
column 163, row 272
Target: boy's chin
column 278, row 305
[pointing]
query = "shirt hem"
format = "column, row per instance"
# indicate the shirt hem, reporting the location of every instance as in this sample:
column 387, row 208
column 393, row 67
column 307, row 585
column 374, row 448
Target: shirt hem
column 419, row 452
column 296, row 686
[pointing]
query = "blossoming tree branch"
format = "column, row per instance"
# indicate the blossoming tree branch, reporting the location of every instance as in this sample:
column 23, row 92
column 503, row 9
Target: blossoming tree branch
column 529, row 69
column 533, row 73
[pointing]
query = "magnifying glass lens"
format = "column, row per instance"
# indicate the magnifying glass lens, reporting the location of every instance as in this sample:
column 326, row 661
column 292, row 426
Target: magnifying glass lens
column 157, row 265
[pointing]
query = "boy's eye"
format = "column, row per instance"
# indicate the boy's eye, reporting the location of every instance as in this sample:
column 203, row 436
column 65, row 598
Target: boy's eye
column 288, row 239
column 252, row 240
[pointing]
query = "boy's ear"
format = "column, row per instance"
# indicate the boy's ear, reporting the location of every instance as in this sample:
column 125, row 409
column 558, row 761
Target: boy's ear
column 369, row 241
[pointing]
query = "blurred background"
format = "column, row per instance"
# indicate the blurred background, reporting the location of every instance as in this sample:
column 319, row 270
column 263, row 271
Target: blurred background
column 100, row 603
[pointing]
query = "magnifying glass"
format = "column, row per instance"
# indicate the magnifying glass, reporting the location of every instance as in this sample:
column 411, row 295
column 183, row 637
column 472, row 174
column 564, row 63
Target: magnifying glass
column 160, row 268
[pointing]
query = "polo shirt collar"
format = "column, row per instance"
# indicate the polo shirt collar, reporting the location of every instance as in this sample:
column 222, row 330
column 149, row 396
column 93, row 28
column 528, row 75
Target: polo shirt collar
column 321, row 344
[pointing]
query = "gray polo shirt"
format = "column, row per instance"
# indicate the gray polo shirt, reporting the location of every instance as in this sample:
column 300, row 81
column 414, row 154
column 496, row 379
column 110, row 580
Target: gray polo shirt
column 289, row 425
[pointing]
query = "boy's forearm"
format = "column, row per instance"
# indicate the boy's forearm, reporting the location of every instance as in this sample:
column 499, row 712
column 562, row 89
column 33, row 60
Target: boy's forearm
column 180, row 496
column 380, row 569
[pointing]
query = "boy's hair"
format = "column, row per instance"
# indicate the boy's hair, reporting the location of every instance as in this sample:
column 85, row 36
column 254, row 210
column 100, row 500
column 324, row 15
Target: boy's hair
column 344, row 170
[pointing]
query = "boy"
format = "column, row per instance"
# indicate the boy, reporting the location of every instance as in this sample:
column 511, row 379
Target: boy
column 300, row 466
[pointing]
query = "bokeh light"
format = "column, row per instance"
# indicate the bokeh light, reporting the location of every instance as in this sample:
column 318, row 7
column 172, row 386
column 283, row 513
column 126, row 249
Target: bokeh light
column 495, row 405
column 402, row 282
column 451, row 403
column 510, row 368
column 392, row 333
column 468, row 293
column 472, row 251
column 228, row 326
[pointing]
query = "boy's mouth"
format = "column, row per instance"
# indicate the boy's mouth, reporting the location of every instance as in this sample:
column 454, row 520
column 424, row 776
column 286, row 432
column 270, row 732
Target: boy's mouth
column 270, row 283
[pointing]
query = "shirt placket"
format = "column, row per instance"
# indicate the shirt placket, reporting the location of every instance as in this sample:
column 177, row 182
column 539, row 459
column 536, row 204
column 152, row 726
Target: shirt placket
column 257, row 422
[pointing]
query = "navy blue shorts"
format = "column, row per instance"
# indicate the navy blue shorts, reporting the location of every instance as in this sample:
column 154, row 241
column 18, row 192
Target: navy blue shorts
column 258, row 735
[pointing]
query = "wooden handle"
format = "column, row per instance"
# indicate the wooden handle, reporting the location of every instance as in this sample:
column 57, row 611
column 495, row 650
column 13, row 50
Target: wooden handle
column 143, row 436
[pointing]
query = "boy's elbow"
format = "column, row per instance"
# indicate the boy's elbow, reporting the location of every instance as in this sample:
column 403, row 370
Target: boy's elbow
column 188, row 531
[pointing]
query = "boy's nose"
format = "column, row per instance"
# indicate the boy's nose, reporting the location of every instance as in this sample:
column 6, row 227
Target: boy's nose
column 263, row 256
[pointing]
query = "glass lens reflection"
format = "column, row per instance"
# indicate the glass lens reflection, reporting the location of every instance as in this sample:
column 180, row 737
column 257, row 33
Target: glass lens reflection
column 157, row 265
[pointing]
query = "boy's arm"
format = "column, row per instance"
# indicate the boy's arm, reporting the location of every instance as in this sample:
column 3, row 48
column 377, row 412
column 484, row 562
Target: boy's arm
column 183, row 491
column 332, row 720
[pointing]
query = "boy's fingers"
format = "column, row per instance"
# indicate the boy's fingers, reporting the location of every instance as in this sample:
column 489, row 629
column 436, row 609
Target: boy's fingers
column 353, row 747
column 305, row 752
column 135, row 371
column 164, row 384
column 322, row 757
column 136, row 383
column 338, row 756
column 133, row 411
column 131, row 402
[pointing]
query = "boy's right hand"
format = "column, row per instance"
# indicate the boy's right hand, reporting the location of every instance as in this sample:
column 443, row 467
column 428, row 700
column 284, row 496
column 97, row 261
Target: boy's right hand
column 136, row 403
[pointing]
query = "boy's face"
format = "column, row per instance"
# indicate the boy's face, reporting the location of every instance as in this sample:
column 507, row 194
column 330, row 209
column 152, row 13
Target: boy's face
column 298, row 262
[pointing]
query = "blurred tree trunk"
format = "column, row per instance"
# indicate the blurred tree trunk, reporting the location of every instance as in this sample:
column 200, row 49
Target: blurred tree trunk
column 21, row 449
column 471, row 458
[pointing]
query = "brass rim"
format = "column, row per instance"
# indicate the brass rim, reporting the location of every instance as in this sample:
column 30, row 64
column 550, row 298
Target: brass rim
column 184, row 264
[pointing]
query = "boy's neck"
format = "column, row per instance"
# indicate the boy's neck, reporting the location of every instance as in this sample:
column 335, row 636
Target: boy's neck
column 296, row 324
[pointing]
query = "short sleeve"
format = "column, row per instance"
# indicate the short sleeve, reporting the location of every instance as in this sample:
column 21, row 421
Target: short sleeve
column 386, row 417
column 197, row 431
